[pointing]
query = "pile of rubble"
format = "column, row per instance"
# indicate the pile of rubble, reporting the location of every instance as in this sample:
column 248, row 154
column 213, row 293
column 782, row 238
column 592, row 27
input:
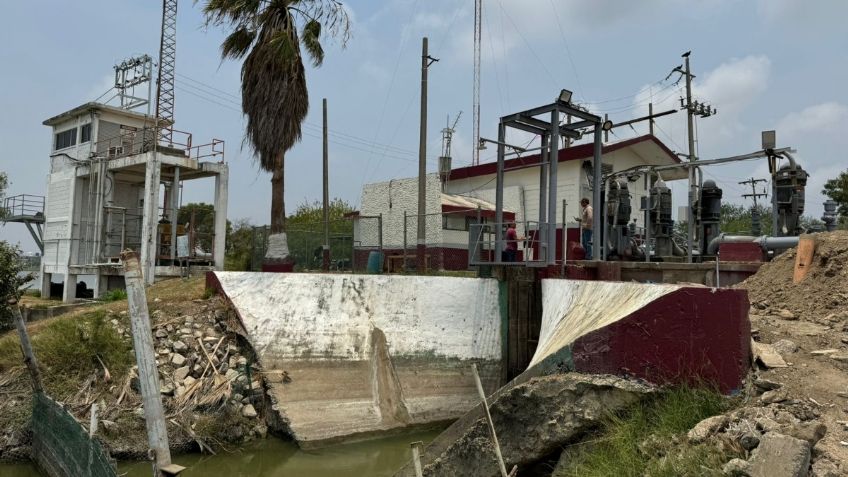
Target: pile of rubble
column 776, row 434
column 203, row 371
column 819, row 298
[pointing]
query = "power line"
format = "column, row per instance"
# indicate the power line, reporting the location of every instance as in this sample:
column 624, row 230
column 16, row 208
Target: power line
column 568, row 50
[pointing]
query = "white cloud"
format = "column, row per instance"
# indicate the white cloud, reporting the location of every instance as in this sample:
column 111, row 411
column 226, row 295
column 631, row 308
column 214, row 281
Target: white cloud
column 825, row 117
column 804, row 12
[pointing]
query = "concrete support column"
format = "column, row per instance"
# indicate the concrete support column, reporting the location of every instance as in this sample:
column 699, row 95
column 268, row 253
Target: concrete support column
column 101, row 285
column 150, row 218
column 221, row 184
column 45, row 283
column 69, row 293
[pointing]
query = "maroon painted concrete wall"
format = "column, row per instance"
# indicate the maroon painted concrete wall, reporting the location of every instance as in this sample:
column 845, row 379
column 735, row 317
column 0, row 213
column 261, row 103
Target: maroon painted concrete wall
column 692, row 335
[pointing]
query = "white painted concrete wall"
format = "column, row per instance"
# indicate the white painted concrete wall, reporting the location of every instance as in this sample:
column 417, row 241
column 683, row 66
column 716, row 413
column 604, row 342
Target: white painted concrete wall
column 330, row 317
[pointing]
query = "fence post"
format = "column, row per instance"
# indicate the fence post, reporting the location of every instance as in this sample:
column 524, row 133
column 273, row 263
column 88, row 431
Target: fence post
column 404, row 241
column 148, row 373
column 26, row 348
column 380, row 231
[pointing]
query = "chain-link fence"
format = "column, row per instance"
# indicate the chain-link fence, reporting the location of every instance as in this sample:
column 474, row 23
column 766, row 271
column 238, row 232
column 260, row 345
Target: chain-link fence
column 61, row 446
column 306, row 245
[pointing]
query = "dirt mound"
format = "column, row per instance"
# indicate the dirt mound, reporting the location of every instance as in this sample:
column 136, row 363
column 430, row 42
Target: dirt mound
column 821, row 297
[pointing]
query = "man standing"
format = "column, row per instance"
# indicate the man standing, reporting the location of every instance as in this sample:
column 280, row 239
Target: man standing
column 586, row 227
column 510, row 252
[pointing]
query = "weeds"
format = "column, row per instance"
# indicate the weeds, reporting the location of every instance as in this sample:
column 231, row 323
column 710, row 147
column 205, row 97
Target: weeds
column 648, row 439
column 71, row 348
column 114, row 295
column 208, row 293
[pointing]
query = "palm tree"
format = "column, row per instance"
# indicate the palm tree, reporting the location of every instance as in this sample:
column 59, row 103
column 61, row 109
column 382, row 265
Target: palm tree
column 273, row 82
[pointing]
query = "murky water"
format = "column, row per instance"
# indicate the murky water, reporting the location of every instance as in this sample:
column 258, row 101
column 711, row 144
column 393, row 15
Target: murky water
column 275, row 458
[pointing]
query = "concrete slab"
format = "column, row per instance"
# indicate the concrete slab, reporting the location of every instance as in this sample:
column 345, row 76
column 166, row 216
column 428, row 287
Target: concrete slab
column 366, row 353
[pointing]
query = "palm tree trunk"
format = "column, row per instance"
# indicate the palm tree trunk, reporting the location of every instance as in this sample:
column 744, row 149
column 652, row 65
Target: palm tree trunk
column 278, row 200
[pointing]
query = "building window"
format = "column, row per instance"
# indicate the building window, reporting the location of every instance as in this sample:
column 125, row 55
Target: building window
column 455, row 222
column 66, row 138
column 85, row 133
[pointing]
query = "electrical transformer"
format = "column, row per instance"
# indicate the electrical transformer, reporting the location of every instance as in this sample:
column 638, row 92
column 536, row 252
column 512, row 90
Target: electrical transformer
column 710, row 216
column 618, row 220
column 789, row 184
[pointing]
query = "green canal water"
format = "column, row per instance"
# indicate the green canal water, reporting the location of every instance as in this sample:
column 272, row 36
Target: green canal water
column 276, row 458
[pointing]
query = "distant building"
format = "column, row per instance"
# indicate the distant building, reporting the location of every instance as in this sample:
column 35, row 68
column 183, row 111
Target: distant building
column 452, row 201
column 105, row 194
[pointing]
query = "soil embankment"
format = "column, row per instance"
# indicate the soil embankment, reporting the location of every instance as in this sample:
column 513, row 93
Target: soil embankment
column 209, row 382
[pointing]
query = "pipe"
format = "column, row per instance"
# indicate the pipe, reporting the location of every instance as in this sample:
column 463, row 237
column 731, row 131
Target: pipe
column 766, row 242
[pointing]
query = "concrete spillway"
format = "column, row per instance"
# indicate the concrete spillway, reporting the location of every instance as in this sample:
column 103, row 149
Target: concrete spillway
column 367, row 354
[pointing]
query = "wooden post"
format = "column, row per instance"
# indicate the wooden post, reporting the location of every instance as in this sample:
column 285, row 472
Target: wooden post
column 26, row 348
column 416, row 459
column 804, row 256
column 489, row 420
column 148, row 373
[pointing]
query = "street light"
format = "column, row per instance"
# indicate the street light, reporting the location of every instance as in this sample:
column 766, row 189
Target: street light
column 565, row 96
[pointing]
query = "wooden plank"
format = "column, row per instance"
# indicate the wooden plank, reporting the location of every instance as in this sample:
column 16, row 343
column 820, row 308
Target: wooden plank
column 148, row 373
column 26, row 348
column 804, row 254
column 495, row 444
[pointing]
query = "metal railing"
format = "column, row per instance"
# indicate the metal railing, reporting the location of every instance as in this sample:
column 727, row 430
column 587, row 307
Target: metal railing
column 131, row 142
column 482, row 245
column 24, row 205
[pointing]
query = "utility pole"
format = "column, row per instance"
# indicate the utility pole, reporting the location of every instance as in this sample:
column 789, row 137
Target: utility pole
column 756, row 228
column 426, row 61
column 478, row 29
column 692, row 109
column 326, row 248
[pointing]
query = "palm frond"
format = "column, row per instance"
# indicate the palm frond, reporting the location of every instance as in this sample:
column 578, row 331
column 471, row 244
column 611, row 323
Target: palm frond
column 311, row 41
column 237, row 43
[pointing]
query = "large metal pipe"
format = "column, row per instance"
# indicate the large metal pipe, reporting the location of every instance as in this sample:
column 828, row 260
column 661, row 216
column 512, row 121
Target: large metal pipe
column 765, row 242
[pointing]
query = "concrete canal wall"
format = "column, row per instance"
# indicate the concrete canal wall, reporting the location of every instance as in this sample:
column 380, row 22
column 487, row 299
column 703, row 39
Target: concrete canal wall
column 664, row 334
column 366, row 354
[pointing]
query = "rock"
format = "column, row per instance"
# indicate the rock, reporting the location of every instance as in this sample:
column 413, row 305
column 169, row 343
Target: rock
column 167, row 389
column 541, row 414
column 110, row 426
column 170, row 328
column 785, row 346
column 825, row 468
column 780, row 456
column 766, row 384
column 706, row 428
column 181, row 373
column 749, row 441
column 773, row 396
column 231, row 374
column 261, row 430
column 248, row 411
column 237, row 397
column 179, row 347
column 736, row 468
column 157, row 300
column 241, row 362
column 841, row 357
column 160, row 333
column 210, row 339
column 766, row 424
column 177, row 359
column 787, row 315
column 196, row 371
column 185, row 331
column 811, row 431
column 188, row 381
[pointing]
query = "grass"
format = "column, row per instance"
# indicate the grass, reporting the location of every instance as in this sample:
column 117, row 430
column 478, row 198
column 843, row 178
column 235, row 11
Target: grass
column 648, row 439
column 114, row 295
column 70, row 349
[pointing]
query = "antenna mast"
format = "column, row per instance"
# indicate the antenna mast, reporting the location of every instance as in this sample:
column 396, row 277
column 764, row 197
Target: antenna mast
column 167, row 64
column 478, row 14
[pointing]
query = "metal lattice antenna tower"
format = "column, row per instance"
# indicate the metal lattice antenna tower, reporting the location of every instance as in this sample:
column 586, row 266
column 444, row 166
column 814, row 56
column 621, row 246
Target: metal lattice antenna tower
column 167, row 64
column 478, row 15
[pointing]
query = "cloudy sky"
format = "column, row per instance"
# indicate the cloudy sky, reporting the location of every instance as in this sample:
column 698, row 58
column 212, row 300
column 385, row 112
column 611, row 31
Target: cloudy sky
column 764, row 64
